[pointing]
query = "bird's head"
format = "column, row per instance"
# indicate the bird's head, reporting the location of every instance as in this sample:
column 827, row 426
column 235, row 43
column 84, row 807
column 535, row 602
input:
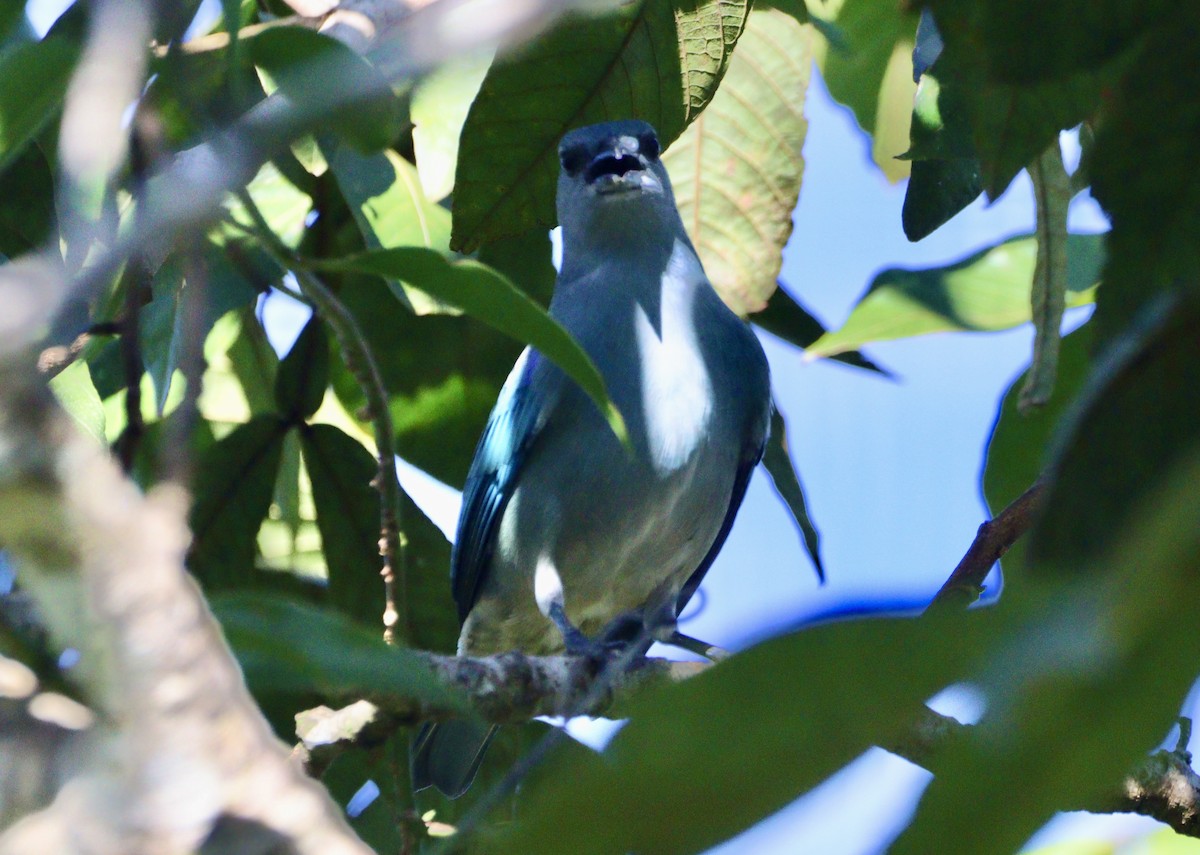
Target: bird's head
column 611, row 171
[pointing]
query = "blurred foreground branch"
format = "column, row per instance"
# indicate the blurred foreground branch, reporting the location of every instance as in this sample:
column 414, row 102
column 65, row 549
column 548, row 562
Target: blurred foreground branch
column 1164, row 786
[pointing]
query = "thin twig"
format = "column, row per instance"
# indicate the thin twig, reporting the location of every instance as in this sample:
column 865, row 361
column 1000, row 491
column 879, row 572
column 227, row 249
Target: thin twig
column 991, row 542
column 361, row 363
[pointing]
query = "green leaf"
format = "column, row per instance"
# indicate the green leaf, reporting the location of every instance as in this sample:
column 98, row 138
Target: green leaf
column 786, row 318
column 1082, row 688
column 1142, row 174
column 871, row 72
column 489, row 297
column 188, row 297
column 326, row 79
column 1011, row 123
column 304, row 373
column 287, row 646
column 945, row 172
column 1139, row 418
column 779, row 466
column 849, row 686
column 442, row 374
column 28, row 185
column 76, row 393
column 986, row 291
column 650, row 60
column 937, row 190
column 384, row 194
column 33, row 82
column 1018, row 449
column 1015, row 35
column 240, row 378
column 736, row 170
column 347, row 506
column 282, row 204
column 440, row 102
column 235, row 479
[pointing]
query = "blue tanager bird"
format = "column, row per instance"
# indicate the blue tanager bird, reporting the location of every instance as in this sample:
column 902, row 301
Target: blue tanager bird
column 568, row 537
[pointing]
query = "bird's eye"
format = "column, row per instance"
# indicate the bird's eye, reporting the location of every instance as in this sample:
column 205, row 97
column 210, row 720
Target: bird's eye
column 573, row 158
column 648, row 144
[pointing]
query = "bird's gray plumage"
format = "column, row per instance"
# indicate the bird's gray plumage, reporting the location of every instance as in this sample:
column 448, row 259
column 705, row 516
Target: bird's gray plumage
column 556, row 512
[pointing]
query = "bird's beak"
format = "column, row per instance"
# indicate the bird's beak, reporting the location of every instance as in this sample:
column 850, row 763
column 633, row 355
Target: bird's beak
column 619, row 168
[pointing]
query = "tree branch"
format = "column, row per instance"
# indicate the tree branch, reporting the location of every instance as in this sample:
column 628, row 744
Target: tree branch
column 991, row 542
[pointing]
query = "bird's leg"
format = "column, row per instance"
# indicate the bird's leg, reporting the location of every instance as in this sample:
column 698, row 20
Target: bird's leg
column 576, row 642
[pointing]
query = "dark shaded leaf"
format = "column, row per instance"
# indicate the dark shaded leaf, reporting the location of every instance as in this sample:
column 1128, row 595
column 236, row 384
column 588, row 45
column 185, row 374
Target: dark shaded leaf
column 786, row 480
column 1019, row 446
column 1142, row 173
column 736, row 172
column 1011, row 123
column 1082, row 688
column 650, row 60
column 288, row 646
column 323, row 77
column 33, row 82
column 183, row 310
column 743, row 742
column 235, row 479
column 986, row 291
column 303, row 374
column 28, row 187
column 937, row 190
column 488, row 296
column 1139, row 418
column 348, row 518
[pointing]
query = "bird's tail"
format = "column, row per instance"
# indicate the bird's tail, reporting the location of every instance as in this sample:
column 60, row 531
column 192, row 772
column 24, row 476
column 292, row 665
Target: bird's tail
column 447, row 754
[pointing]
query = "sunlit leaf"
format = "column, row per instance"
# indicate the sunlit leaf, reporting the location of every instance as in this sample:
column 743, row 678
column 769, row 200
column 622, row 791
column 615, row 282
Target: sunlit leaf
column 986, row 291
column 736, row 170
column 870, row 71
column 75, row 391
column 440, row 102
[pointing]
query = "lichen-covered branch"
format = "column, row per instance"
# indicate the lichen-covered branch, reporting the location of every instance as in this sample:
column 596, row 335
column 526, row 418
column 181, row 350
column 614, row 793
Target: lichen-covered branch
column 503, row 689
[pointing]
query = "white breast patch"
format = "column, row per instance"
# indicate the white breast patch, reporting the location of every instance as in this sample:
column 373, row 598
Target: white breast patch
column 676, row 388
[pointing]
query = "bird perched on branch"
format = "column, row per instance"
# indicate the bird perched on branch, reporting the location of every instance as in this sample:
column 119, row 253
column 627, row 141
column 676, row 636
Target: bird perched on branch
column 569, row 538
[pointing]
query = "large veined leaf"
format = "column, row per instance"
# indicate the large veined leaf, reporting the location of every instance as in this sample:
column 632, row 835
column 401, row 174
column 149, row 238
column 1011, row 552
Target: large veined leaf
column 488, row 296
column 736, row 170
column 986, row 291
column 653, row 60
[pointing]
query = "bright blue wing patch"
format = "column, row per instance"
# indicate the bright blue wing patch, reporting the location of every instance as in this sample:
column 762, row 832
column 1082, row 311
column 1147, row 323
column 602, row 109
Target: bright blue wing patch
column 491, row 481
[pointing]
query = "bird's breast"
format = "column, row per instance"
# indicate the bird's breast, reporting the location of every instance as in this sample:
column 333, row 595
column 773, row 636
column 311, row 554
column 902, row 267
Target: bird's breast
column 676, row 389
